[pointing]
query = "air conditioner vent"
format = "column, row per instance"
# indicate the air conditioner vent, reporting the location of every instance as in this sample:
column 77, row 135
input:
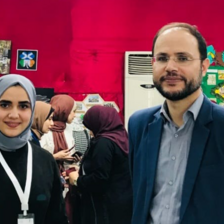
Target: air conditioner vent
column 140, row 64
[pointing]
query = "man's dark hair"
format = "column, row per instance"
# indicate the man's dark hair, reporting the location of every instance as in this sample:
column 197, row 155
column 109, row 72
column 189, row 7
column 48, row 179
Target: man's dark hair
column 192, row 30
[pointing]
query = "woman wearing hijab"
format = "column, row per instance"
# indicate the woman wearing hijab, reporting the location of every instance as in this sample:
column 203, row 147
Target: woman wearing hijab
column 59, row 140
column 103, row 179
column 42, row 121
column 29, row 177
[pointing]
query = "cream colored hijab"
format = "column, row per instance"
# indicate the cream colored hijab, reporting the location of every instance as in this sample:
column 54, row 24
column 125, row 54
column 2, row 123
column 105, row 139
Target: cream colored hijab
column 41, row 114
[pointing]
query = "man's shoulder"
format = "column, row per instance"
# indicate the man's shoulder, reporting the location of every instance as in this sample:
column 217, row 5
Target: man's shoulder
column 218, row 111
column 144, row 114
column 211, row 112
column 143, row 117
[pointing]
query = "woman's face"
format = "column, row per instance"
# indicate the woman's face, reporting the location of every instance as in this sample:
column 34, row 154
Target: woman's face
column 71, row 116
column 48, row 123
column 15, row 111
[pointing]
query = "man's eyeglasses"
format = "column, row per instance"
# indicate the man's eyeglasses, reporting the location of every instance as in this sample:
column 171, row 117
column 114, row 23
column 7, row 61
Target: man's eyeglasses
column 183, row 60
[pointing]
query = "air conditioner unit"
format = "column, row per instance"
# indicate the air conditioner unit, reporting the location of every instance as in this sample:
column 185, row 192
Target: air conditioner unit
column 139, row 89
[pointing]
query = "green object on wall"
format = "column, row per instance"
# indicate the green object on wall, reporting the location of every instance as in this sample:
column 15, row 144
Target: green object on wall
column 213, row 84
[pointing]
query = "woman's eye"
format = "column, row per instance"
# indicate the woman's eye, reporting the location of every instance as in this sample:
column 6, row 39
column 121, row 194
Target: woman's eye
column 4, row 105
column 24, row 106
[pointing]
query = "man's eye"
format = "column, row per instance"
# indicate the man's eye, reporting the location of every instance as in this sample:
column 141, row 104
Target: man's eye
column 162, row 58
column 182, row 59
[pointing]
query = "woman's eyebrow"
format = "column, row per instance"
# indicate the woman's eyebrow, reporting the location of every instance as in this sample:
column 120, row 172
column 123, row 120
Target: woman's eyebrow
column 24, row 102
column 5, row 101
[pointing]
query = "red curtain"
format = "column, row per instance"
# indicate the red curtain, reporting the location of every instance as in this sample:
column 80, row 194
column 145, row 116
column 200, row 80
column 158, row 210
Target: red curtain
column 81, row 43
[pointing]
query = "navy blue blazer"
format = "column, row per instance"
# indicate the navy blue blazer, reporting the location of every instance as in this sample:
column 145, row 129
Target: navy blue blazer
column 202, row 199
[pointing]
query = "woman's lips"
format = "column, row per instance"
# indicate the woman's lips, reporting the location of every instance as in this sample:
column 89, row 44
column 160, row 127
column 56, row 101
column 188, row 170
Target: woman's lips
column 12, row 124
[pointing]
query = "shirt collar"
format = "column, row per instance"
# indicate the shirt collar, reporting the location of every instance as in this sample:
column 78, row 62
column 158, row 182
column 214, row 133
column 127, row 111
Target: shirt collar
column 194, row 109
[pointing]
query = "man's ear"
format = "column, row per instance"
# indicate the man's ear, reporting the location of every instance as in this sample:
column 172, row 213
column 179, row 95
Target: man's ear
column 152, row 60
column 205, row 66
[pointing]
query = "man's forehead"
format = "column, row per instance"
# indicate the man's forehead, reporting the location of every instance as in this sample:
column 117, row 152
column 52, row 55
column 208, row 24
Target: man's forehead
column 173, row 29
column 176, row 40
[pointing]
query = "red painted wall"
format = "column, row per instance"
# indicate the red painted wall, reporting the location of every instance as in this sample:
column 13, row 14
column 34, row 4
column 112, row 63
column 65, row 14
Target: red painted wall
column 81, row 43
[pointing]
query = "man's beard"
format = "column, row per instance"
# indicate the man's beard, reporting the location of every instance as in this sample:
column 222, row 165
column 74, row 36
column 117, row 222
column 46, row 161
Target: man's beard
column 190, row 87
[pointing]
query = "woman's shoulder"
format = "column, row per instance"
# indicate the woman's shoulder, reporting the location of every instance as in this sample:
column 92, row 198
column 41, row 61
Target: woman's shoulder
column 40, row 152
column 104, row 142
column 47, row 142
column 48, row 136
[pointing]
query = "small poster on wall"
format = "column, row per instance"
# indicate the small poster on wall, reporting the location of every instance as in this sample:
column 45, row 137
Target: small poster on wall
column 93, row 99
column 213, row 84
column 27, row 60
column 5, row 55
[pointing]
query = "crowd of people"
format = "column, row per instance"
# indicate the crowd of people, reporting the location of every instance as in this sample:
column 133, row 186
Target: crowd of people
column 39, row 160
column 167, row 171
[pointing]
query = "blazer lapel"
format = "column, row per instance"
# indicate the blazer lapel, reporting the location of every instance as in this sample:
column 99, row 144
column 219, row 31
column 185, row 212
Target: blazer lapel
column 198, row 143
column 154, row 134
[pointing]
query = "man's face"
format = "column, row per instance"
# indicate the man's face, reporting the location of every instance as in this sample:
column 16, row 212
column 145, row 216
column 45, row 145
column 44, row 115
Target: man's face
column 177, row 68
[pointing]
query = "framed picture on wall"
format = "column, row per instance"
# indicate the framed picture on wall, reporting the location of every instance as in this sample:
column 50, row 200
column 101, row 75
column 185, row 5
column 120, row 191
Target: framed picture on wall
column 93, row 99
column 111, row 104
column 81, row 107
column 26, row 60
column 5, row 56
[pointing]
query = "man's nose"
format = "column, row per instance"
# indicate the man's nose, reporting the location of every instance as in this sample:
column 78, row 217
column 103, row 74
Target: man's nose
column 171, row 65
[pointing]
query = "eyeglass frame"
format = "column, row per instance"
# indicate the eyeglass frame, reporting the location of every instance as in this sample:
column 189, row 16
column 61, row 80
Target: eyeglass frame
column 175, row 59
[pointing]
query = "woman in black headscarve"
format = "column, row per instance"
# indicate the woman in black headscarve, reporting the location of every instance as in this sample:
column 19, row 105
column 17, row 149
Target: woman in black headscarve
column 104, row 180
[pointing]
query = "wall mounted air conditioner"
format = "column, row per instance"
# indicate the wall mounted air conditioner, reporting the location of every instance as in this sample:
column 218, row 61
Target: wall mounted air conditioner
column 139, row 89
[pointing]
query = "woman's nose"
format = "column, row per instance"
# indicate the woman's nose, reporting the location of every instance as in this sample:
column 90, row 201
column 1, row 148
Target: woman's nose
column 13, row 113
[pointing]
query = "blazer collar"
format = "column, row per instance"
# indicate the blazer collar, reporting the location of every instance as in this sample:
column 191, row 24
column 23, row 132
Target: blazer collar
column 198, row 143
column 153, row 138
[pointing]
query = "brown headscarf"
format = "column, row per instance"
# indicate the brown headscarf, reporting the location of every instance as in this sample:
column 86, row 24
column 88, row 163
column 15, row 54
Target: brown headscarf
column 63, row 105
column 105, row 122
column 41, row 114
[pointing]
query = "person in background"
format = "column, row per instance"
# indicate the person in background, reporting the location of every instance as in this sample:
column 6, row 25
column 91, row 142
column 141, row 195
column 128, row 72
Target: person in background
column 104, row 179
column 59, row 141
column 80, row 135
column 177, row 149
column 42, row 121
column 29, row 176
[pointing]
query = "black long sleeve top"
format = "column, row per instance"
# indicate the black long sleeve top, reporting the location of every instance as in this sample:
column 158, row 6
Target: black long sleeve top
column 45, row 201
